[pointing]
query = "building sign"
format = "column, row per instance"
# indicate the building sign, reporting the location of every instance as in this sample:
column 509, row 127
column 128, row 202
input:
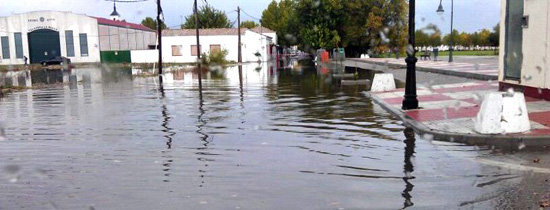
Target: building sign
column 43, row 27
column 42, row 20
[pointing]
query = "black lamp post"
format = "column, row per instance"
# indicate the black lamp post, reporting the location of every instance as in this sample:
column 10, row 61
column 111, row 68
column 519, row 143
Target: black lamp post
column 410, row 100
column 441, row 11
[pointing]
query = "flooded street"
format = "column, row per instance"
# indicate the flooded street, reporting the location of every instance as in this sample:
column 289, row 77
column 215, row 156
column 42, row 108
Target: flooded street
column 285, row 139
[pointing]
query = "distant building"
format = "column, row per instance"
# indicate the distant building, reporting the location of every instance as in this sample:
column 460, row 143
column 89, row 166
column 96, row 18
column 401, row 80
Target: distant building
column 42, row 35
column 524, row 47
column 179, row 46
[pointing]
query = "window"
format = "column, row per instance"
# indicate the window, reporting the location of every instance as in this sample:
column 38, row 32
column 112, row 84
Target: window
column 194, row 50
column 83, row 45
column 18, row 45
column 176, row 50
column 69, row 40
column 5, row 47
column 215, row 48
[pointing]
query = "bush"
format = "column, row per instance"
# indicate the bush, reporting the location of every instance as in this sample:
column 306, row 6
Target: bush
column 215, row 58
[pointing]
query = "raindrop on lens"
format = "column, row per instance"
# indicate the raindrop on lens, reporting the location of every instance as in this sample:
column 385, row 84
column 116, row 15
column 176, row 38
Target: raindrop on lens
column 521, row 146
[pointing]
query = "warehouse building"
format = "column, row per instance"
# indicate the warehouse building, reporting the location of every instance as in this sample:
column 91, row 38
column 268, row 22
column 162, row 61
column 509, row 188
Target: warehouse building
column 42, row 35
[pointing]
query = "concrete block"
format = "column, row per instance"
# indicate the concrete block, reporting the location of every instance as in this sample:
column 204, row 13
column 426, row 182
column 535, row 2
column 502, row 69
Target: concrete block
column 488, row 118
column 502, row 113
column 382, row 82
column 515, row 118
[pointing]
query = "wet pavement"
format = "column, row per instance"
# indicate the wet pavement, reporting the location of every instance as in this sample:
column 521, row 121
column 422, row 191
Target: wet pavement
column 281, row 139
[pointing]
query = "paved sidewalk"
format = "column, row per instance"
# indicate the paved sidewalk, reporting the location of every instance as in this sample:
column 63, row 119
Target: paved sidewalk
column 469, row 68
column 447, row 113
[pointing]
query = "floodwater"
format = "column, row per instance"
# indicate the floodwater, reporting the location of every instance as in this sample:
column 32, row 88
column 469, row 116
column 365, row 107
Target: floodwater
column 102, row 138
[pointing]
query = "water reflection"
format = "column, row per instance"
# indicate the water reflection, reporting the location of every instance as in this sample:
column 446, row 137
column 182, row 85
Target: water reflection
column 408, row 167
column 256, row 137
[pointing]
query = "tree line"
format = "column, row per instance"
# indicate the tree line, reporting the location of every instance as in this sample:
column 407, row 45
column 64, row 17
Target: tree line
column 208, row 16
column 357, row 25
column 430, row 36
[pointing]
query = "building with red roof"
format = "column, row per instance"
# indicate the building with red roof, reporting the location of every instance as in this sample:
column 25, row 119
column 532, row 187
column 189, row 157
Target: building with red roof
column 42, row 35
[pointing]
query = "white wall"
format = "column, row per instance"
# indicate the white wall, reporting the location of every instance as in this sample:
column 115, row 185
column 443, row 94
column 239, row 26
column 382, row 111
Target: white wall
column 536, row 50
column 251, row 43
column 145, row 56
column 58, row 21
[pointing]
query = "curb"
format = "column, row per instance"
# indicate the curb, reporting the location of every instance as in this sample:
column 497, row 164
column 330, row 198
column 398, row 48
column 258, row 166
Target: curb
column 511, row 142
column 468, row 75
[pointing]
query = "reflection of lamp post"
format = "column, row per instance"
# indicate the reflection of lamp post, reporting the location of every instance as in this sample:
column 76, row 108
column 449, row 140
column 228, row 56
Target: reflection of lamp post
column 410, row 101
column 441, row 11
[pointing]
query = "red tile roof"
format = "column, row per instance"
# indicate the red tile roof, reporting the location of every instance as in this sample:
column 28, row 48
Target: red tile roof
column 212, row 31
column 105, row 21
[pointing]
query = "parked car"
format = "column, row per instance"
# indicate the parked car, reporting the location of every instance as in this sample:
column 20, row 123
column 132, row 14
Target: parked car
column 57, row 60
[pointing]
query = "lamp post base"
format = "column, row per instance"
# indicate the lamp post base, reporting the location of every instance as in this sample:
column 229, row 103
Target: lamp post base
column 410, row 101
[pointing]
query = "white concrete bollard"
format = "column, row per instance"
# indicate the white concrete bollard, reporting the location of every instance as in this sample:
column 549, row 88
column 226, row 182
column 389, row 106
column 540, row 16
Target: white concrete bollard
column 502, row 113
column 488, row 118
column 382, row 82
column 515, row 118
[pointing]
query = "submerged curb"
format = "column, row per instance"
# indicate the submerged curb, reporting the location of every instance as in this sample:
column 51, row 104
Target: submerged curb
column 468, row 75
column 512, row 141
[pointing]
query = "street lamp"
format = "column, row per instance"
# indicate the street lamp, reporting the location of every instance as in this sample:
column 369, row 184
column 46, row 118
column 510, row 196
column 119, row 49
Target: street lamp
column 410, row 100
column 440, row 11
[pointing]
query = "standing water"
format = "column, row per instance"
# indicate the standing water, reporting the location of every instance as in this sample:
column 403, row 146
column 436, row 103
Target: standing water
column 284, row 139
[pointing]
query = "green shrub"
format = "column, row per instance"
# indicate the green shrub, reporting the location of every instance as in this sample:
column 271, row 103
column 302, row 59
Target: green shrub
column 215, row 58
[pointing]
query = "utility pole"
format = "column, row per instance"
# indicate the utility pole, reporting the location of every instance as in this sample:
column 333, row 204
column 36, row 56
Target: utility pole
column 239, row 28
column 159, row 32
column 198, row 45
column 240, row 57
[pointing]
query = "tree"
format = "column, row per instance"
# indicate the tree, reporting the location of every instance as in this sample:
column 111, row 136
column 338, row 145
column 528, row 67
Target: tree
column 318, row 23
column 249, row 24
column 494, row 37
column 356, row 25
column 428, row 36
column 484, row 37
column 152, row 23
column 456, row 38
column 209, row 17
column 281, row 17
column 422, row 39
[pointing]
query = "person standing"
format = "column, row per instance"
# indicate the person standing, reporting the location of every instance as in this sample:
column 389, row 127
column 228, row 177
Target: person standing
column 25, row 59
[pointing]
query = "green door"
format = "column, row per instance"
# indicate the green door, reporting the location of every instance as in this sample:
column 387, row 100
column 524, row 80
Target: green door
column 513, row 53
column 43, row 45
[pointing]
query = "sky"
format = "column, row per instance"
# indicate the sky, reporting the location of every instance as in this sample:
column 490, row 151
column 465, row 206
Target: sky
column 470, row 15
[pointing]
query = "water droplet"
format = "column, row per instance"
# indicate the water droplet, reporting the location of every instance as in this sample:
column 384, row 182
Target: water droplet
column 521, row 146
column 14, row 179
column 410, row 50
column 12, row 169
column 428, row 137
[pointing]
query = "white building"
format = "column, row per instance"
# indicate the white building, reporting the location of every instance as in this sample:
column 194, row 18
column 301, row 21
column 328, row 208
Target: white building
column 179, row 46
column 524, row 49
column 42, row 35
